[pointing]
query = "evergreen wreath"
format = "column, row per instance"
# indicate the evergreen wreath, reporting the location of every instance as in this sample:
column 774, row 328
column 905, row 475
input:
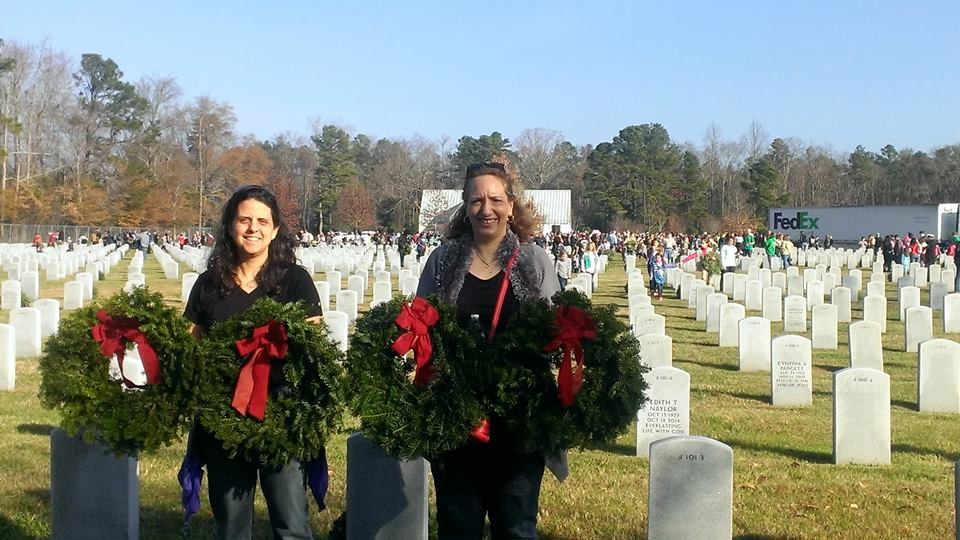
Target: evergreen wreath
column 520, row 385
column 305, row 398
column 401, row 412
column 77, row 380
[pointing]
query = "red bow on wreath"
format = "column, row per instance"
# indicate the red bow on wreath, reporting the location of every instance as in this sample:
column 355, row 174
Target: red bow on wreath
column 267, row 343
column 113, row 334
column 416, row 318
column 573, row 325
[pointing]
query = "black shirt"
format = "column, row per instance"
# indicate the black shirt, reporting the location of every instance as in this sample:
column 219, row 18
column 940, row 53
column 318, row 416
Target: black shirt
column 479, row 296
column 206, row 307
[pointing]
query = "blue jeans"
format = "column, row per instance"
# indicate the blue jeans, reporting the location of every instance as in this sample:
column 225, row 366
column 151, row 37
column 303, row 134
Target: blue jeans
column 233, row 483
column 483, row 479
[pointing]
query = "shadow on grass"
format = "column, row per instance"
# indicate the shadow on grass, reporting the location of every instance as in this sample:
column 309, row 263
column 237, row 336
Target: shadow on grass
column 13, row 531
column 40, row 496
column 810, row 456
column 36, row 429
column 759, row 398
column 829, row 368
column 909, row 448
column 615, row 448
column 904, row 404
column 724, row 367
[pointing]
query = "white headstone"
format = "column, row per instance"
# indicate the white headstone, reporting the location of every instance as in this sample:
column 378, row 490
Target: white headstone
column 87, row 280
column 8, row 362
column 656, row 350
column 948, row 276
column 714, row 302
column 938, row 376
column 355, row 283
column 773, row 304
column 730, row 316
column 754, row 344
column 951, row 313
column 795, row 285
column 30, row 285
column 10, row 295
column 347, row 303
column 337, row 323
column 866, row 345
column 382, row 292
column 649, row 324
column 909, row 297
column 795, row 314
column 814, row 294
column 824, row 326
column 72, row 295
column 861, row 417
column 702, row 293
column 739, row 287
column 919, row 327
column 875, row 288
column 26, row 324
column 690, row 476
column 49, row 316
column 728, row 278
column 408, row 285
column 791, row 372
column 840, row 297
column 186, row 285
column 938, row 291
column 753, row 297
column 875, row 309
column 334, row 279
column 667, row 410
column 323, row 291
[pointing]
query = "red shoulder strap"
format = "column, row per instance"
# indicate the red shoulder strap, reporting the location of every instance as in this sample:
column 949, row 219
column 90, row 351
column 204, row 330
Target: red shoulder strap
column 503, row 294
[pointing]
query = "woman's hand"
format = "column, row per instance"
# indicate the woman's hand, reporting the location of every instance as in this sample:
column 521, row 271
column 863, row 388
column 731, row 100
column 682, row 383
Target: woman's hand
column 316, row 319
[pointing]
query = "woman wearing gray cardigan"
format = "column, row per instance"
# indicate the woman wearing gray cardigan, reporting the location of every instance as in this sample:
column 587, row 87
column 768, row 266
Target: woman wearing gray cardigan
column 487, row 252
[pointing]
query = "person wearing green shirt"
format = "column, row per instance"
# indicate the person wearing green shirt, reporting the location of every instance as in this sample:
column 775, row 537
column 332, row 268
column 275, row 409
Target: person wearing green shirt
column 748, row 243
column 771, row 247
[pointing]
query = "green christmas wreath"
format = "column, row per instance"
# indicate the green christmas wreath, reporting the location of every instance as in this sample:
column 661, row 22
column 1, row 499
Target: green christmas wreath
column 105, row 399
column 409, row 410
column 522, row 376
column 300, row 384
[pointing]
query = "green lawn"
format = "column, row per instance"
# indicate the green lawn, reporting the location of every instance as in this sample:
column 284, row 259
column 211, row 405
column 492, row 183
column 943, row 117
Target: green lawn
column 785, row 485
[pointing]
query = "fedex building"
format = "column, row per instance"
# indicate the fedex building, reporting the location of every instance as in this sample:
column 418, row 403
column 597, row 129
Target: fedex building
column 849, row 224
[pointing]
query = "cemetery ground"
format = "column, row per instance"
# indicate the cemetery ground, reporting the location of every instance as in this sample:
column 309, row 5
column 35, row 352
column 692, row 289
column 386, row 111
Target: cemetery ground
column 785, row 484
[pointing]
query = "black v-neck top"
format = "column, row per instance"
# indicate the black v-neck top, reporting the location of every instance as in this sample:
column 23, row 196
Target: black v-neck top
column 206, row 307
column 479, row 296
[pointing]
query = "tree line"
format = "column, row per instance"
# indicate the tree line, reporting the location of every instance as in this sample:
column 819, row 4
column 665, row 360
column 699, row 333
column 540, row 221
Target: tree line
column 81, row 144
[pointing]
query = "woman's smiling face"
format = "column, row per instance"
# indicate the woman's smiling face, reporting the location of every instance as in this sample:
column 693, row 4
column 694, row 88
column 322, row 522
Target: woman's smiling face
column 489, row 208
column 253, row 228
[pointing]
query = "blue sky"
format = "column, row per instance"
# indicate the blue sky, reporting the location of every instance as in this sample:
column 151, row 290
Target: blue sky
column 838, row 73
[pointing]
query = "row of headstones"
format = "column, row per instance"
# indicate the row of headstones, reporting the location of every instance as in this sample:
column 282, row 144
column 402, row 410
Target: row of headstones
column 58, row 263
column 753, row 337
column 387, row 497
column 792, row 310
column 861, row 402
column 13, row 292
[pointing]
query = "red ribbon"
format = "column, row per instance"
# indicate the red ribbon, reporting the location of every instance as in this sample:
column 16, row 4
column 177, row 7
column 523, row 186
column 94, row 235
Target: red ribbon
column 416, row 318
column 573, row 325
column 113, row 334
column 482, row 431
column 266, row 344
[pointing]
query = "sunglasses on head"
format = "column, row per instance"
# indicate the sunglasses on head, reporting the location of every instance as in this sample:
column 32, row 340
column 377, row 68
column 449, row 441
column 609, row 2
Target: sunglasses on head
column 473, row 169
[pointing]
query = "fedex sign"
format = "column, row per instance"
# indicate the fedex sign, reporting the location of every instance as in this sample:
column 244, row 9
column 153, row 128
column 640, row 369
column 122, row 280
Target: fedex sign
column 801, row 221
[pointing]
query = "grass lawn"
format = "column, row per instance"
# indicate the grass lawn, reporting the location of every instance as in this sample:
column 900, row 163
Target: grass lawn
column 785, row 485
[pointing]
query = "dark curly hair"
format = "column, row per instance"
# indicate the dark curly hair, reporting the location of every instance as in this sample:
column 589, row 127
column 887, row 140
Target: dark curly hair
column 224, row 256
column 525, row 219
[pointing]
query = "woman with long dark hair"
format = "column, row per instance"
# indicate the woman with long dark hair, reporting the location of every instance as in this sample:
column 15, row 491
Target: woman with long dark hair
column 252, row 258
column 488, row 250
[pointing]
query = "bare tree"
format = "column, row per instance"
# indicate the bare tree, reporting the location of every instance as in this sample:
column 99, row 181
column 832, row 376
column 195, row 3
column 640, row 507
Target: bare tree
column 540, row 162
